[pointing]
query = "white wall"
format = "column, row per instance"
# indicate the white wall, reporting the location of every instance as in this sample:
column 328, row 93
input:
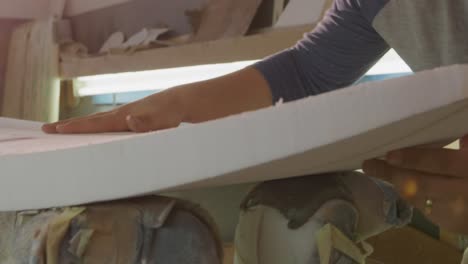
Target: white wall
column 32, row 9
column 23, row 9
column 76, row 7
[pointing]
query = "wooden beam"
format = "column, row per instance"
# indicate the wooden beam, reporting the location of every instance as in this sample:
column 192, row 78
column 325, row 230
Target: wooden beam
column 219, row 51
column 32, row 82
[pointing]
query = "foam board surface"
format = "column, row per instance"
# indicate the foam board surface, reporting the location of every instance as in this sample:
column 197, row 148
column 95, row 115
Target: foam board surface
column 330, row 132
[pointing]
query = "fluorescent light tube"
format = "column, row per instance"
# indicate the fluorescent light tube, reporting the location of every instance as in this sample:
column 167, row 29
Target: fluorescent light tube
column 153, row 80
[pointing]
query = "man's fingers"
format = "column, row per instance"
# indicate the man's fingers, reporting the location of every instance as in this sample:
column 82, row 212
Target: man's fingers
column 114, row 121
column 436, row 161
column 51, row 128
column 109, row 122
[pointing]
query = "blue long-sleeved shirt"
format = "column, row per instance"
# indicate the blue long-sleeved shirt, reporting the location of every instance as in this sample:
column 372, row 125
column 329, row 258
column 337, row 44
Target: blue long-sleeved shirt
column 354, row 34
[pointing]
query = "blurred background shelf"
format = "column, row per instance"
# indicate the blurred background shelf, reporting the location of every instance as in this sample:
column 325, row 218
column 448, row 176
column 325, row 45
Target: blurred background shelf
column 251, row 47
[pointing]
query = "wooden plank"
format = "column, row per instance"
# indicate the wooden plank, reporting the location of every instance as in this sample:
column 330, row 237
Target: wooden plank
column 229, row 254
column 219, row 51
column 12, row 96
column 6, row 30
column 32, row 82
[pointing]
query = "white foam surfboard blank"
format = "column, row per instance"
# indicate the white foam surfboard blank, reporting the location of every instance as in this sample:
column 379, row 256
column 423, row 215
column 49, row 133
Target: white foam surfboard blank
column 116, row 40
column 331, row 132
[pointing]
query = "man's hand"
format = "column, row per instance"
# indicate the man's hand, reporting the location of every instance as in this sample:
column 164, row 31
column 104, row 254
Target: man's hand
column 238, row 92
column 433, row 180
column 159, row 111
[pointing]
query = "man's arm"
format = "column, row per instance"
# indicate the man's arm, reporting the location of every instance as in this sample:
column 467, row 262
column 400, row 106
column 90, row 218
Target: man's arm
column 238, row 92
column 334, row 55
column 339, row 51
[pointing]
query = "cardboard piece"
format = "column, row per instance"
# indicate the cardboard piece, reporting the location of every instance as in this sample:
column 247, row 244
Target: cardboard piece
column 331, row 132
column 115, row 40
column 94, row 21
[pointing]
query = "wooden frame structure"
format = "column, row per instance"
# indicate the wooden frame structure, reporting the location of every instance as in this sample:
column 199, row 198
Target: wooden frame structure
column 219, row 51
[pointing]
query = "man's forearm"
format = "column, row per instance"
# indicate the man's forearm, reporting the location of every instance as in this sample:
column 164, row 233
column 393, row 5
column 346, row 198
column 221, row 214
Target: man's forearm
column 238, row 92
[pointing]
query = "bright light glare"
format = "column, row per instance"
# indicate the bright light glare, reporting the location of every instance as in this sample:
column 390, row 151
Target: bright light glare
column 153, row 80
column 390, row 63
column 166, row 78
